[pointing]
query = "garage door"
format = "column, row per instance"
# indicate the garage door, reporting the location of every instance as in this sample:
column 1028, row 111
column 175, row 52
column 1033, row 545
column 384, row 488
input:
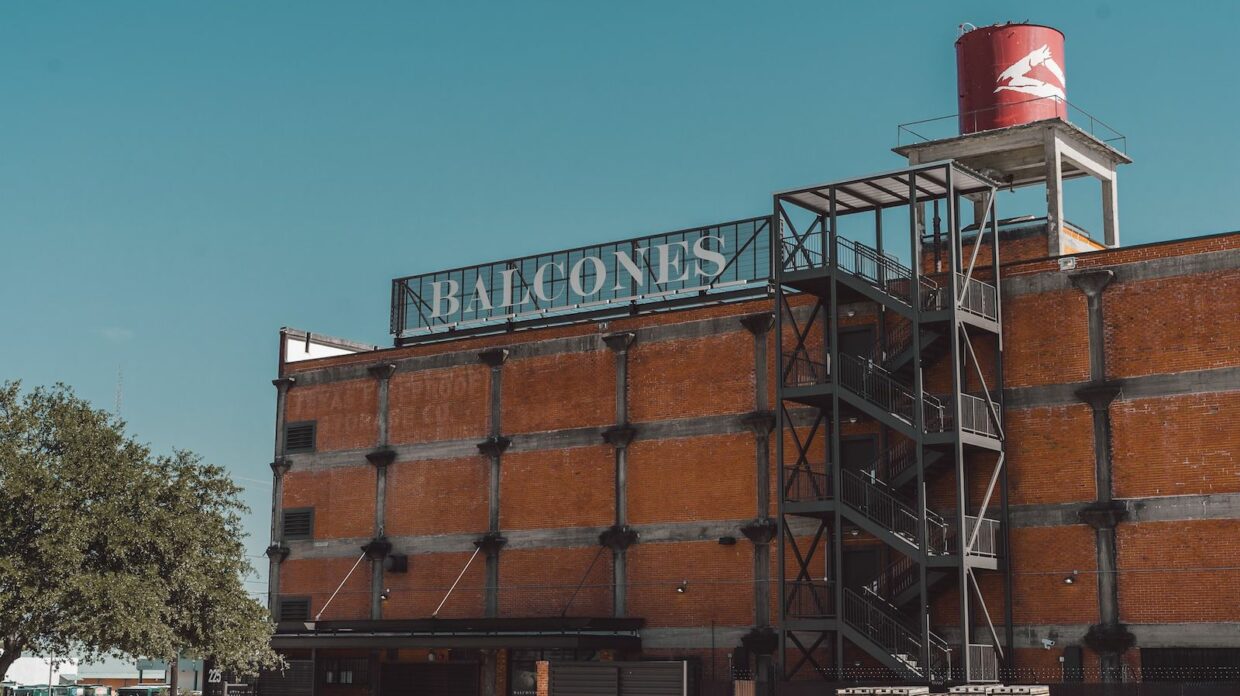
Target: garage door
column 429, row 679
column 617, row 679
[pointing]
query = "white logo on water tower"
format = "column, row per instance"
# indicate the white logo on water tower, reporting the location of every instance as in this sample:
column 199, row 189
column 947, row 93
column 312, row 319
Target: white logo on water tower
column 1017, row 78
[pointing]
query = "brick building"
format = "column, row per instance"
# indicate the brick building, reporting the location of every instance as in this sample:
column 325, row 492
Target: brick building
column 877, row 434
column 606, row 488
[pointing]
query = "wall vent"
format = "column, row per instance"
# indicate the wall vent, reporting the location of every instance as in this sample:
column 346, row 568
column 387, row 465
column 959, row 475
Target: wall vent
column 299, row 437
column 298, row 523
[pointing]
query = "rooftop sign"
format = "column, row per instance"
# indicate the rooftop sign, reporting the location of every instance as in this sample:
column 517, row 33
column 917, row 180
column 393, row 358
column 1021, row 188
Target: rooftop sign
column 705, row 262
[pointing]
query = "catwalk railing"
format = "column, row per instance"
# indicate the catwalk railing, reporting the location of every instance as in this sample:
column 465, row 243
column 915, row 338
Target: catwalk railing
column 809, row 599
column 803, row 483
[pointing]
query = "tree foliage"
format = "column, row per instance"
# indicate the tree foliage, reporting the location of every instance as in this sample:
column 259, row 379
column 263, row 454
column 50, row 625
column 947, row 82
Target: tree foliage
column 106, row 548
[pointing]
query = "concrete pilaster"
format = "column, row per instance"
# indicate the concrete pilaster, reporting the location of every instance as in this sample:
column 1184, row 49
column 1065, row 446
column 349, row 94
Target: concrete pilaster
column 277, row 551
column 763, row 528
column 620, row 537
column 493, row 447
column 381, row 457
column 1109, row 637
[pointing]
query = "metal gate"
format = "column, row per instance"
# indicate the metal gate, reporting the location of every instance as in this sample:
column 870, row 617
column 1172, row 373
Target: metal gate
column 429, row 679
column 619, row 679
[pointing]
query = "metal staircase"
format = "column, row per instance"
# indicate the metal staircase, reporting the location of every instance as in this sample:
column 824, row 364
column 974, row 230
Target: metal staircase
column 870, row 619
column 926, row 323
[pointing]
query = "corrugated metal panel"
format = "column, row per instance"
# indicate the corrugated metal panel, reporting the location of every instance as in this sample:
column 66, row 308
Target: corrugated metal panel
column 296, row 680
column 584, row 679
column 617, row 679
column 652, row 679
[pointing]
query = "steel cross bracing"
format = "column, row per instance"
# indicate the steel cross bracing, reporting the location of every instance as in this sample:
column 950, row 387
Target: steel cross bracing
column 925, row 384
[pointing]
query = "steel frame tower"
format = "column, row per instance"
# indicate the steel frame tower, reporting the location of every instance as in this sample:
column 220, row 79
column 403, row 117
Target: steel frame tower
column 934, row 316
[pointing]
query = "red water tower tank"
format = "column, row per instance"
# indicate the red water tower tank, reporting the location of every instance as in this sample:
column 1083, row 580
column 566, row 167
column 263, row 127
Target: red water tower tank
column 1009, row 74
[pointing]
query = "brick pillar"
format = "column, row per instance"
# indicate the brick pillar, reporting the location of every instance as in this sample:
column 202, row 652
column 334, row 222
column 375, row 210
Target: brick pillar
column 493, row 447
column 620, row 536
column 1109, row 637
column 277, row 551
column 543, row 677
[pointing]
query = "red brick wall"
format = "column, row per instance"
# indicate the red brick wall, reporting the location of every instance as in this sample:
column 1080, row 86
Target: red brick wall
column 344, row 411
column 1042, row 558
column 543, row 582
column 1176, row 445
column 701, row 478
column 558, row 488
column 445, row 404
column 343, row 499
column 439, row 496
column 1045, row 339
column 317, row 578
column 691, row 377
column 415, row 594
column 557, row 392
column 720, row 583
column 1178, row 571
column 1050, row 452
column 1172, row 324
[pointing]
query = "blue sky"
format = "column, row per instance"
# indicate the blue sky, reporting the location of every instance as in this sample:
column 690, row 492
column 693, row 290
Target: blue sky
column 179, row 180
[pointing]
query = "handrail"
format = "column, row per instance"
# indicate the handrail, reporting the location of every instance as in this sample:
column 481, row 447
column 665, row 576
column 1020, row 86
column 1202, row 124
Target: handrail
column 885, row 272
column 979, row 297
column 881, row 388
column 802, row 371
column 798, row 254
column 809, row 599
column 983, row 663
column 890, row 633
column 880, row 506
column 987, row 533
column 807, row 482
column 975, row 416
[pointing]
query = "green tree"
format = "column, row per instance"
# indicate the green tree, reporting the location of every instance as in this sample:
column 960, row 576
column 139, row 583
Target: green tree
column 105, row 548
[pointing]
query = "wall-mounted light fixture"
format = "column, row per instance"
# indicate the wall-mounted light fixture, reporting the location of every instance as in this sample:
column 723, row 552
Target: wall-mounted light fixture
column 1071, row 579
column 683, row 587
column 387, row 592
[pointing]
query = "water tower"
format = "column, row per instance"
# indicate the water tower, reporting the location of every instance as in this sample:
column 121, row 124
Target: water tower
column 1014, row 127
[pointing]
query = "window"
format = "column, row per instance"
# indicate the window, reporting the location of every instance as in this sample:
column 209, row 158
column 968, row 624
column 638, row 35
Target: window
column 298, row 523
column 346, row 670
column 294, row 609
column 299, row 437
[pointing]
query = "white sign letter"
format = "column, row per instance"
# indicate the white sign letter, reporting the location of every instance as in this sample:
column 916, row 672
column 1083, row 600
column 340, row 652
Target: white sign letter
column 626, row 262
column 705, row 253
column 600, row 276
column 438, row 295
column 480, row 296
column 508, row 276
column 540, row 288
column 669, row 262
